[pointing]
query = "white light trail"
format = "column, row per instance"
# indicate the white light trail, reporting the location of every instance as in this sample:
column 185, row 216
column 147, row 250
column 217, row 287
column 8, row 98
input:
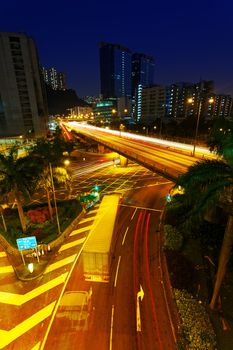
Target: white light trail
column 155, row 140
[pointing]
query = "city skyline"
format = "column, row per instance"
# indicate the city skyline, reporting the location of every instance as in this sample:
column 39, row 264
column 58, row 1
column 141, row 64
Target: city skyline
column 188, row 43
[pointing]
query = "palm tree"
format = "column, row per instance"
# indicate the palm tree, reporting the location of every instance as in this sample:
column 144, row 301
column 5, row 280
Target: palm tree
column 51, row 153
column 205, row 184
column 18, row 176
column 45, row 181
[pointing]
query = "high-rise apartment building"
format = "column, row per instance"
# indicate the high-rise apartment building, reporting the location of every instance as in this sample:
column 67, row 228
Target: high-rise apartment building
column 56, row 80
column 115, row 70
column 153, row 104
column 23, row 110
column 142, row 70
column 222, row 106
column 177, row 96
column 142, row 76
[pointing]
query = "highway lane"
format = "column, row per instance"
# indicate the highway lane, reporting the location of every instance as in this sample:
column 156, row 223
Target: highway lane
column 168, row 159
column 26, row 307
column 112, row 323
column 140, row 266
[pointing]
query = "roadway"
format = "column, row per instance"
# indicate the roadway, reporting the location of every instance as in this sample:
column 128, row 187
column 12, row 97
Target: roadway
column 28, row 308
column 118, row 319
column 168, row 158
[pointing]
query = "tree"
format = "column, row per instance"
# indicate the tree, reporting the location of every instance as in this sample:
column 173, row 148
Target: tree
column 205, row 184
column 51, row 153
column 18, row 176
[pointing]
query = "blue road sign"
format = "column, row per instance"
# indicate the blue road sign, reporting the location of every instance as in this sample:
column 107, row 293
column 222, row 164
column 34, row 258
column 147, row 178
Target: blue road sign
column 26, row 243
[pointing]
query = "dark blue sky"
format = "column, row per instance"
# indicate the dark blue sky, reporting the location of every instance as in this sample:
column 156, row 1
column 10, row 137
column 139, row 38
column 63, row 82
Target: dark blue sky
column 189, row 39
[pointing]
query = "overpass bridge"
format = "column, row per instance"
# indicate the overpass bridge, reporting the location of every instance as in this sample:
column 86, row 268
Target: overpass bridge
column 170, row 159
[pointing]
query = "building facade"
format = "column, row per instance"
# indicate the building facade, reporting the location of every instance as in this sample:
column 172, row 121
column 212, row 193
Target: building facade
column 115, row 70
column 142, row 71
column 179, row 94
column 222, row 106
column 142, row 76
column 153, row 104
column 56, row 80
column 23, row 109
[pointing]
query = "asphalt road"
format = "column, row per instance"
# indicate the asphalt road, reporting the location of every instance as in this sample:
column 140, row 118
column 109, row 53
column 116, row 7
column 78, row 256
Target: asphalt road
column 118, row 319
column 28, row 318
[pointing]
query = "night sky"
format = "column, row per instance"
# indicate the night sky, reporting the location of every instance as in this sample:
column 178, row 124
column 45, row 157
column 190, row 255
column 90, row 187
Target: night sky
column 189, row 39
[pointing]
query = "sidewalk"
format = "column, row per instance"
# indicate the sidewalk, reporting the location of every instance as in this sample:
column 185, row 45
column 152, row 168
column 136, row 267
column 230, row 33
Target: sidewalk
column 45, row 257
column 22, row 271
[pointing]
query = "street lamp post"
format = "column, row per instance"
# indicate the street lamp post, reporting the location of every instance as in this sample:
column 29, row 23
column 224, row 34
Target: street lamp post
column 190, row 100
column 197, row 126
column 54, row 197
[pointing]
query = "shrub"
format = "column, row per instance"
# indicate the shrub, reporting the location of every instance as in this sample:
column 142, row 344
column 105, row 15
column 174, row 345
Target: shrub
column 38, row 215
column 181, row 270
column 173, row 238
column 196, row 331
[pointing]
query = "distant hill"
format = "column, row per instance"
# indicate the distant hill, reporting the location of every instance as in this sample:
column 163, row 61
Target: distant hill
column 60, row 100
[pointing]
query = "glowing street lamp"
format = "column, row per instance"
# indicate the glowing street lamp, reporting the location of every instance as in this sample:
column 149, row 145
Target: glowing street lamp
column 66, row 162
column 191, row 100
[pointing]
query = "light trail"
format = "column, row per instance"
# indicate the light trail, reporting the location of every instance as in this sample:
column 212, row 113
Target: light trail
column 149, row 282
column 91, row 168
column 155, row 140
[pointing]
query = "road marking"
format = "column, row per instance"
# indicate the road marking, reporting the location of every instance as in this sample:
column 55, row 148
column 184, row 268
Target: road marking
column 72, row 244
column 6, row 269
column 6, row 337
column 36, row 347
column 92, row 218
column 118, row 264
column 19, row 299
column 133, row 214
column 142, row 208
column 60, row 263
column 111, row 331
column 140, row 295
column 123, row 241
column 80, row 230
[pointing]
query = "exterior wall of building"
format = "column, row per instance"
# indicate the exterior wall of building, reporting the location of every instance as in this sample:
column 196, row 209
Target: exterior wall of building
column 81, row 112
column 142, row 71
column 105, row 110
column 222, row 106
column 23, row 109
column 56, row 80
column 142, row 76
column 115, row 70
column 177, row 96
column 124, row 107
column 153, row 104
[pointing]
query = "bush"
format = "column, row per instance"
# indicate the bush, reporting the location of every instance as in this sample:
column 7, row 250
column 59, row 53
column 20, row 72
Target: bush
column 173, row 238
column 38, row 215
column 181, row 270
column 196, row 331
column 39, row 226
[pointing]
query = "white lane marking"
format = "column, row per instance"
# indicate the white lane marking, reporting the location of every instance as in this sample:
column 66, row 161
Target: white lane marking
column 133, row 214
column 111, row 330
column 123, row 241
column 118, row 264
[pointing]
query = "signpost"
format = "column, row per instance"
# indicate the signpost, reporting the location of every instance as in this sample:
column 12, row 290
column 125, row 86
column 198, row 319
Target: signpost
column 27, row 243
